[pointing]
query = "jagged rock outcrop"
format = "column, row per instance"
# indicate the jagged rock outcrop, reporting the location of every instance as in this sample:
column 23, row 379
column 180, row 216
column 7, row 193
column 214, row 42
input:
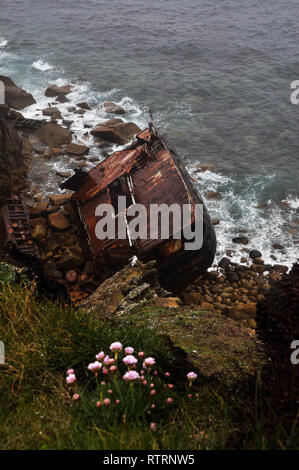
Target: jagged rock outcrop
column 115, row 132
column 16, row 97
column 53, row 135
column 215, row 346
column 12, row 165
column 278, row 327
column 131, row 286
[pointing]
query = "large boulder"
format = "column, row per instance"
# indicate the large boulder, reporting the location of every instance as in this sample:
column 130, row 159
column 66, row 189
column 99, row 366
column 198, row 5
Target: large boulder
column 53, row 135
column 59, row 91
column 215, row 346
column 16, row 97
column 117, row 133
column 52, row 112
column 113, row 108
column 77, row 149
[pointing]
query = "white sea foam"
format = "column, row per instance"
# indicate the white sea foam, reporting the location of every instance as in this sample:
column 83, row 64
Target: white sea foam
column 3, row 42
column 41, row 65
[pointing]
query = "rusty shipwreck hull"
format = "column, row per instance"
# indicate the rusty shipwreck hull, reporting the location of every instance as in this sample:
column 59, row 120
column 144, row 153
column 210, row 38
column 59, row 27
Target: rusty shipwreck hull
column 147, row 172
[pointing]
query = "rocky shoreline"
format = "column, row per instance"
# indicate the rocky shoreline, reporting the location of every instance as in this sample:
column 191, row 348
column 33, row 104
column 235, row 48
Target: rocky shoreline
column 232, row 289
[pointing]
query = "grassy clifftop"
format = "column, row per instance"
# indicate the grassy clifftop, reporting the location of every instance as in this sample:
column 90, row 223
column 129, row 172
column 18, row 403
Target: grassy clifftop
column 43, row 339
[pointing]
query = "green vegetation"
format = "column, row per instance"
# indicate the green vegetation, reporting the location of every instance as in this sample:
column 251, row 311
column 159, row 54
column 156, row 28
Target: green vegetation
column 44, row 339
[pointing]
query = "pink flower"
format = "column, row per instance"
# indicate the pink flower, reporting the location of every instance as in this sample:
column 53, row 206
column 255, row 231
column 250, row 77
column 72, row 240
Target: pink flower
column 98, row 404
column 95, row 366
column 189, row 395
column 152, row 385
column 144, row 382
column 153, row 406
column 107, row 401
column 111, row 361
column 149, row 362
column 70, row 371
column 153, row 426
column 100, row 356
column 105, row 370
column 113, row 369
column 116, row 347
column 117, row 402
column 76, row 396
column 131, row 376
column 130, row 360
column 71, row 378
column 106, row 359
column 141, row 354
column 191, row 376
column 110, row 391
column 153, row 392
column 169, row 400
column 167, row 374
column 129, row 350
column 170, row 386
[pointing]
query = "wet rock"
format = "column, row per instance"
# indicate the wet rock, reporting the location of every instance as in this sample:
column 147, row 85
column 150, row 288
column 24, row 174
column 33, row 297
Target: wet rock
column 117, row 134
column 205, row 167
column 84, row 105
column 255, row 254
column 213, row 194
column 52, row 112
column 39, row 232
column 71, row 276
column 58, row 221
column 215, row 221
column 76, row 149
column 224, row 263
column 242, row 240
column 16, row 97
column 113, row 122
column 279, row 268
column 53, row 135
column 112, row 108
column 71, row 259
column 51, row 270
column 277, row 246
column 62, row 99
column 54, row 90
column 60, row 199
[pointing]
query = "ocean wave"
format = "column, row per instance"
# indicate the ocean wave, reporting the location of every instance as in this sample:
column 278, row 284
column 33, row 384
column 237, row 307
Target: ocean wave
column 43, row 66
column 3, row 42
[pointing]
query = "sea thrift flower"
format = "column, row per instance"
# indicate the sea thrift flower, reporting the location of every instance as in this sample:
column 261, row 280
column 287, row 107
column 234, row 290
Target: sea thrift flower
column 107, row 401
column 116, row 347
column 110, row 361
column 153, row 392
column 169, row 400
column 95, row 366
column 117, row 402
column 106, row 359
column 110, row 392
column 131, row 376
column 167, row 374
column 152, row 385
column 100, row 356
column 113, row 369
column 170, row 386
column 129, row 350
column 105, row 370
column 144, row 382
column 189, row 395
column 76, row 396
column 153, row 426
column 191, row 376
column 141, row 354
column 153, row 406
column 99, row 404
column 71, row 378
column 70, row 371
column 155, row 372
column 129, row 360
column 149, row 362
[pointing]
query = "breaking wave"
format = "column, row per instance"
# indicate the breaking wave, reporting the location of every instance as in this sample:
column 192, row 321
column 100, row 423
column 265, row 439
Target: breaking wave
column 43, row 66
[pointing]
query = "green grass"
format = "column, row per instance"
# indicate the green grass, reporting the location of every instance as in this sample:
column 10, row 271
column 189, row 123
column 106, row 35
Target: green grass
column 43, row 339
